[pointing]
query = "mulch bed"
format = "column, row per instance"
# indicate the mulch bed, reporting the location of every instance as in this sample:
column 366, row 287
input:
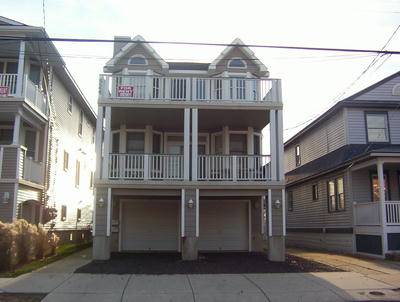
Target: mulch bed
column 208, row 263
column 21, row 297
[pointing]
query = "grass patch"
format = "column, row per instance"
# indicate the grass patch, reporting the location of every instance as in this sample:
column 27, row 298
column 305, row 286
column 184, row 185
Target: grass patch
column 62, row 252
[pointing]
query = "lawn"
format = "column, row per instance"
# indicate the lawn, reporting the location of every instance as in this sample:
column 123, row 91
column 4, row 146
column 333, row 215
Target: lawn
column 62, row 252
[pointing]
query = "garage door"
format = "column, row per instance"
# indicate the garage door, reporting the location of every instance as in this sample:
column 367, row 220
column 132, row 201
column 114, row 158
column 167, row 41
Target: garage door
column 223, row 226
column 150, row 226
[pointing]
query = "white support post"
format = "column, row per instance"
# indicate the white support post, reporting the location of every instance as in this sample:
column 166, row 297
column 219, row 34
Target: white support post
column 197, row 211
column 225, row 86
column 194, row 142
column 269, row 213
column 250, row 140
column 148, row 84
column 17, row 126
column 99, row 141
column 273, row 142
column 148, row 139
column 183, row 213
column 107, row 140
column 381, row 181
column 109, row 206
column 21, row 63
column 262, row 215
column 234, row 168
column 284, row 212
column 279, row 142
column 186, row 143
column 122, row 139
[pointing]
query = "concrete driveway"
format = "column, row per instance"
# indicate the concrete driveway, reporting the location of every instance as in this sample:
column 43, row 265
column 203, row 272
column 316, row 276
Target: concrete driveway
column 61, row 284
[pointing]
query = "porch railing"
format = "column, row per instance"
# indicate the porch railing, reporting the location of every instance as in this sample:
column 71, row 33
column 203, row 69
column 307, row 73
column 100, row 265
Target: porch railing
column 234, row 167
column 8, row 82
column 146, row 87
column 146, row 166
column 369, row 213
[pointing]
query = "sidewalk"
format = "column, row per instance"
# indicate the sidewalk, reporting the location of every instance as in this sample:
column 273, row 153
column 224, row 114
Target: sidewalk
column 61, row 285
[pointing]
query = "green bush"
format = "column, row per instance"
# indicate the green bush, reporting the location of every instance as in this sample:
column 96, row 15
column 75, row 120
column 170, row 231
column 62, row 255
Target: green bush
column 21, row 242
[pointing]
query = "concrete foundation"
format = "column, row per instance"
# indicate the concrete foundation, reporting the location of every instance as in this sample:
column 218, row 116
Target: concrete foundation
column 189, row 248
column 101, row 248
column 276, row 248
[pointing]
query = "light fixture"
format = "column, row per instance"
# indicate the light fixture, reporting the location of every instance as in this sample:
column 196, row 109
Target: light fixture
column 100, row 202
column 190, row 203
column 6, row 197
column 277, row 204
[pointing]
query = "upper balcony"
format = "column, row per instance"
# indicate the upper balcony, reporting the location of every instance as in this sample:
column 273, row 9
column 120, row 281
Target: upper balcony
column 221, row 90
column 9, row 83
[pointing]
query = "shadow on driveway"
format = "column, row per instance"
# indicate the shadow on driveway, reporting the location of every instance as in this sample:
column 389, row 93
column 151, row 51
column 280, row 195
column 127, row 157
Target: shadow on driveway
column 208, row 263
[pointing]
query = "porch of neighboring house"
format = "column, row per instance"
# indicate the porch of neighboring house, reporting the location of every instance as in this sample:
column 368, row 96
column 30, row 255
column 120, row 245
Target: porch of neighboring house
column 376, row 198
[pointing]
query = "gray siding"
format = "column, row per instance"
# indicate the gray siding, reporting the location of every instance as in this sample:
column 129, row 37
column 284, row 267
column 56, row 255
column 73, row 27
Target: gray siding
column 382, row 92
column 277, row 226
column 101, row 213
column 314, row 214
column 323, row 139
column 9, row 163
column 6, row 209
column 190, row 214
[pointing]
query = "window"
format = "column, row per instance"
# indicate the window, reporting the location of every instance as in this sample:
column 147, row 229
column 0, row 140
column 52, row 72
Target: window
column 290, row 201
column 30, row 143
column 315, row 193
column 375, row 187
column 377, row 127
column 6, row 135
column 63, row 213
column 297, row 155
column 91, row 180
column 115, row 142
column 336, row 195
column 78, row 215
column 34, row 74
column 77, row 173
column 237, row 63
column 69, row 106
column 66, row 161
column 137, row 60
column 257, row 144
column 238, row 144
column 135, row 142
column 218, row 145
column 80, row 126
column 156, row 143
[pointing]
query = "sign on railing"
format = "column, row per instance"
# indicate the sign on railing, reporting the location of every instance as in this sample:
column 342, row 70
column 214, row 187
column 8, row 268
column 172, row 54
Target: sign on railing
column 124, row 91
column 3, row 91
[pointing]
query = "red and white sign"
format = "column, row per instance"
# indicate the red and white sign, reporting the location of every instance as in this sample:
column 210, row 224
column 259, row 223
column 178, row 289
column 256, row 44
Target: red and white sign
column 124, row 91
column 3, row 90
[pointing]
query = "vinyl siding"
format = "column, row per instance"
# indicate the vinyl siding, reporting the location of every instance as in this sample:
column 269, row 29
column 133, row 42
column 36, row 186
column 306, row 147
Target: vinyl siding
column 6, row 210
column 9, row 163
column 277, row 227
column 190, row 214
column 26, row 193
column 322, row 140
column 314, row 214
column 382, row 92
column 101, row 213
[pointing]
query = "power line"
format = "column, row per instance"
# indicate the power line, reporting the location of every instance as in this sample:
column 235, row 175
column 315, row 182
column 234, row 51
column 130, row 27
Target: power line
column 79, row 40
column 44, row 14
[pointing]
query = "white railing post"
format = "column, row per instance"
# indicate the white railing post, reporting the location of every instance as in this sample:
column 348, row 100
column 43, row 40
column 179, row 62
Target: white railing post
column 234, row 167
column 382, row 188
column 146, row 167
column 148, row 84
column 186, row 143
column 21, row 62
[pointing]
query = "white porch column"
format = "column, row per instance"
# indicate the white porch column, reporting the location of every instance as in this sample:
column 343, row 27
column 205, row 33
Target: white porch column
column 17, row 126
column 279, row 143
column 148, row 139
column 21, row 63
column 250, row 140
column 225, row 140
column 273, row 142
column 122, row 138
column 381, row 181
column 107, row 140
column 186, row 144
column 194, row 142
column 99, row 140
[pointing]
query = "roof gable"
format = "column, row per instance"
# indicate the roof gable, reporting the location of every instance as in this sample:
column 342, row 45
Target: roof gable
column 7, row 21
column 124, row 51
column 245, row 50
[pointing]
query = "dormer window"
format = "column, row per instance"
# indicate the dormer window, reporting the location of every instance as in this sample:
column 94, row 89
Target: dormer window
column 137, row 60
column 237, row 63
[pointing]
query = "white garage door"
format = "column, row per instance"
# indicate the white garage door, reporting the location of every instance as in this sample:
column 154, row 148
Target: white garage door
column 223, row 226
column 150, row 225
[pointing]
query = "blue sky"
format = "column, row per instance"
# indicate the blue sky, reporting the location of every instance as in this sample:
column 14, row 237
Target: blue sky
column 312, row 81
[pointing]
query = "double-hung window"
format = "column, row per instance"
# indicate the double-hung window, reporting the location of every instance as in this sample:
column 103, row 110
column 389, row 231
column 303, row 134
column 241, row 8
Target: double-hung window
column 377, row 127
column 297, row 155
column 336, row 200
column 290, row 201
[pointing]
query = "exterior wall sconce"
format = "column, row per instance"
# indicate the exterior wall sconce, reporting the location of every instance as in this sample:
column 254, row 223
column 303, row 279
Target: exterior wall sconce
column 190, row 203
column 100, row 202
column 6, row 197
column 277, row 204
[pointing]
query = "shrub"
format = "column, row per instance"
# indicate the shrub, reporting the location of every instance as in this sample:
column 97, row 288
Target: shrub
column 8, row 255
column 26, row 240
column 42, row 243
column 53, row 242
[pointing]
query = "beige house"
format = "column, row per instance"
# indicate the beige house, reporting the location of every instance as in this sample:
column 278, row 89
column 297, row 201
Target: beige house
column 189, row 155
column 47, row 130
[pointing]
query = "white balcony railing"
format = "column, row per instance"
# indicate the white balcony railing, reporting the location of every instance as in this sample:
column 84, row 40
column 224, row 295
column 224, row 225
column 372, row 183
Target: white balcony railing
column 144, row 87
column 368, row 213
column 233, row 167
column 146, row 166
column 30, row 169
column 8, row 87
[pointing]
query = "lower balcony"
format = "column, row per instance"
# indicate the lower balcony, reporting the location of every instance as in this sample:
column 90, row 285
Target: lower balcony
column 171, row 167
column 370, row 213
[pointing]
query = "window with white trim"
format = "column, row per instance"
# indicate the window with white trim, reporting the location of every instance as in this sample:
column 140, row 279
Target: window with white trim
column 137, row 60
column 336, row 200
column 237, row 63
column 63, row 213
column 377, row 127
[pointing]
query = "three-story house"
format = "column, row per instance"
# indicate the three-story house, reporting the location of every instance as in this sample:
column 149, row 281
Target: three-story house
column 181, row 161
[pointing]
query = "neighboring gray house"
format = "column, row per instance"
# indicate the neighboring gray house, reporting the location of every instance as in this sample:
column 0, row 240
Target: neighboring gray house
column 47, row 132
column 343, row 173
column 180, row 158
